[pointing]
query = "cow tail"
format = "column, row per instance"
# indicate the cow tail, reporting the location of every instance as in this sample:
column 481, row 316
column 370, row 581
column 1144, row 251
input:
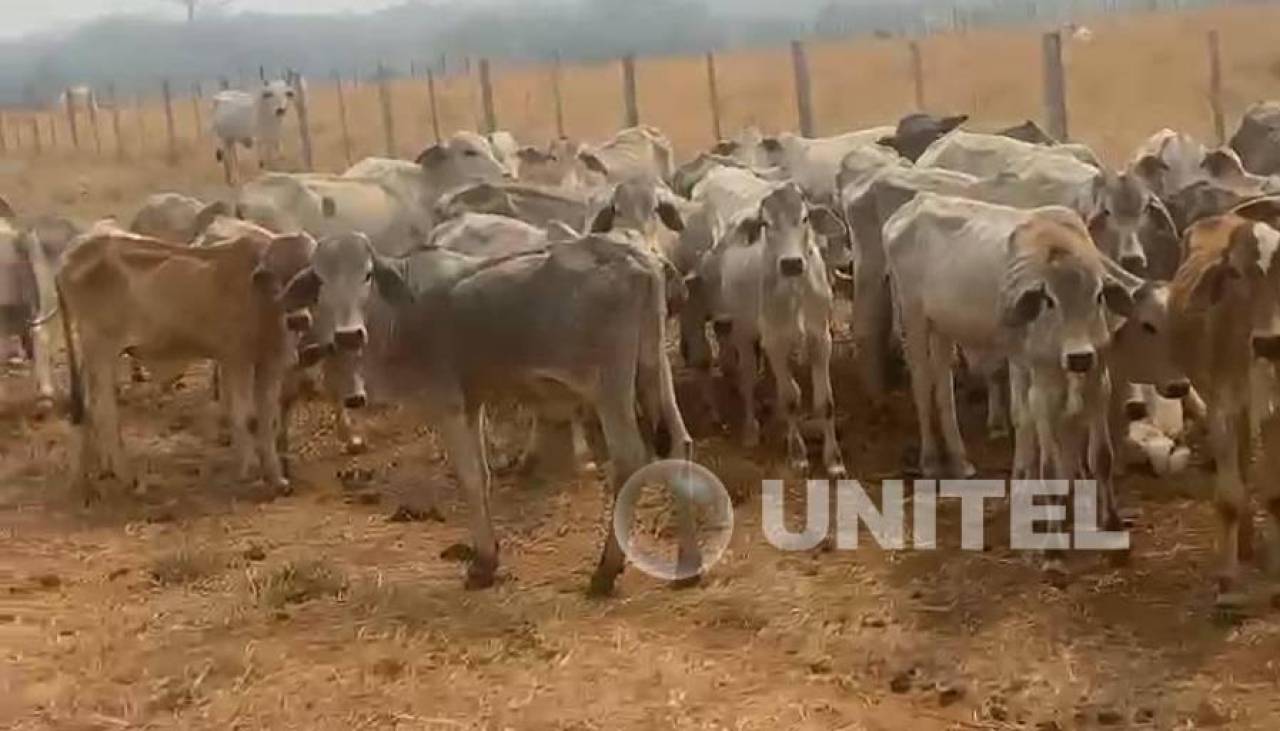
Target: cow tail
column 76, row 398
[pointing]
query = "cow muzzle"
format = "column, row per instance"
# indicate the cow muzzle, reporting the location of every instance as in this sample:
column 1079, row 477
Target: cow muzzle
column 298, row 321
column 350, row 340
column 1134, row 264
column 1081, row 362
column 791, row 266
column 1267, row 346
column 355, row 401
column 1176, row 390
column 281, row 112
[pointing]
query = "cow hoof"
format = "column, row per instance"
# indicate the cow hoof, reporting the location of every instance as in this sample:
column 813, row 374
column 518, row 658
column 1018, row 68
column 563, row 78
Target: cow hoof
column 478, row 578
column 601, row 584
column 1055, row 572
column 966, row 470
column 356, row 445
column 800, row 466
column 282, row 487
column 836, row 471
column 1230, row 605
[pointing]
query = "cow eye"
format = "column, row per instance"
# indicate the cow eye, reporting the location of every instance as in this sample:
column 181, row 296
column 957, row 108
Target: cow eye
column 289, row 94
column 1050, row 303
column 368, row 276
column 1149, row 328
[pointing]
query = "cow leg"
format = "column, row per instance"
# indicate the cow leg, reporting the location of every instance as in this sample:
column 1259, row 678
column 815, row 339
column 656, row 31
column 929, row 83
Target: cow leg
column 1268, row 481
column 824, row 405
column 104, row 410
column 669, row 407
column 463, row 433
column 616, row 410
column 41, row 350
column 997, row 403
column 238, row 381
column 941, row 351
column 352, row 443
column 288, row 397
column 267, row 388
column 1102, row 461
column 778, row 351
column 744, row 348
column 1025, row 444
column 916, row 346
column 1229, row 499
column 228, row 157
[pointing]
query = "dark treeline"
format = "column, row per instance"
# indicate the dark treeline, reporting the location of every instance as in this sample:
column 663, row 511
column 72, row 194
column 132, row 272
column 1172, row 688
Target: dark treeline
column 135, row 52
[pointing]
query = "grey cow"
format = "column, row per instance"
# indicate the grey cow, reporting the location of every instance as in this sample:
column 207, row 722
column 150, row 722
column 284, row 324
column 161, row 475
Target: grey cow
column 456, row 333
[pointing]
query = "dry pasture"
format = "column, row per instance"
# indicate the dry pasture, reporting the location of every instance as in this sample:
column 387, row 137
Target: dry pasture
column 204, row 605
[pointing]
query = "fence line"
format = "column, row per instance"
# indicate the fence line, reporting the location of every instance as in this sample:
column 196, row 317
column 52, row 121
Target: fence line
column 804, row 92
column 1055, row 87
column 714, row 94
column 631, row 107
column 486, row 98
column 1215, row 88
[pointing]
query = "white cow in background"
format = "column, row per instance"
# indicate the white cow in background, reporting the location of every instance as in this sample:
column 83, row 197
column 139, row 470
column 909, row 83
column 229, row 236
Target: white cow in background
column 246, row 118
column 80, row 99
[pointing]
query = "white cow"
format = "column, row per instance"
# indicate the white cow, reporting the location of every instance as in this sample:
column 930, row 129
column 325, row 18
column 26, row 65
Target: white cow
column 505, row 150
column 986, row 155
column 248, row 119
column 766, row 282
column 635, row 152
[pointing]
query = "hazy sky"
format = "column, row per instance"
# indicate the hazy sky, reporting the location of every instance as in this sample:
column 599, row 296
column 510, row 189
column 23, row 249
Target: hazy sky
column 25, row 16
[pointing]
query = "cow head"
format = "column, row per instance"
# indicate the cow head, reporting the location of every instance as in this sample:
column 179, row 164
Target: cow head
column 1257, row 142
column 784, row 226
column 464, row 158
column 639, row 205
column 917, row 131
column 1121, row 203
column 1142, row 346
column 275, row 97
column 556, row 166
column 1249, row 271
column 1056, row 290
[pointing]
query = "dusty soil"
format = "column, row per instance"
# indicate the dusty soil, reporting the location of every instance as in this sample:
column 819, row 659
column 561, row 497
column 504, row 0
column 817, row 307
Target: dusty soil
column 209, row 604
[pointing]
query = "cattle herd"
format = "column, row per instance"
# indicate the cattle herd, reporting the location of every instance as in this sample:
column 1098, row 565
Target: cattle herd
column 1101, row 307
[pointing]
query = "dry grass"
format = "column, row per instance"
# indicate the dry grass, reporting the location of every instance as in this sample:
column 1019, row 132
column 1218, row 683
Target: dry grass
column 295, row 582
column 185, row 566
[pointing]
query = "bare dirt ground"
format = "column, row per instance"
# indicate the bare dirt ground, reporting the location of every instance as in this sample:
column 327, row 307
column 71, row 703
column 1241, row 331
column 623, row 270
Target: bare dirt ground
column 208, row 604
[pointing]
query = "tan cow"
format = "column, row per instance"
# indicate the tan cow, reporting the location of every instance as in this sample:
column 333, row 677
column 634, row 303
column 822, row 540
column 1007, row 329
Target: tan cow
column 168, row 305
column 1225, row 314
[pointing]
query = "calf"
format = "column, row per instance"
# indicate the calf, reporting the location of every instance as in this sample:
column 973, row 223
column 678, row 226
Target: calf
column 455, row 334
column 248, row 119
column 1000, row 282
column 170, row 304
column 766, row 281
column 1225, row 306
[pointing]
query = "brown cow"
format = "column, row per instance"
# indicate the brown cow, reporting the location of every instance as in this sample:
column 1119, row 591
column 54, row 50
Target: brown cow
column 167, row 305
column 1225, row 313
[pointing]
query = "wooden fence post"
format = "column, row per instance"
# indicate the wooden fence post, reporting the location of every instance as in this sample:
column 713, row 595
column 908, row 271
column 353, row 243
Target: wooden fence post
column 35, row 133
column 304, row 125
column 197, row 96
column 1215, row 88
column 917, row 73
column 223, row 83
column 71, row 118
column 1055, row 87
column 713, row 92
column 435, row 110
column 53, row 132
column 630, row 108
column 168, row 121
column 486, row 98
column 142, row 124
column 556, row 72
column 342, row 117
column 115, row 120
column 4, row 142
column 804, row 93
column 93, row 122
column 388, row 123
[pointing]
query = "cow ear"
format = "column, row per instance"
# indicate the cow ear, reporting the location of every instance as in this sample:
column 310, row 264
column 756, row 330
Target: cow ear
column 890, row 142
column 949, row 123
column 593, row 163
column 1117, row 298
column 302, row 291
column 207, row 215
column 6, row 211
column 390, row 283
column 771, row 144
column 751, row 228
column 1261, row 209
column 1151, row 170
column 432, row 156
column 827, row 223
column 1222, row 163
column 670, row 216
column 1025, row 308
column 603, row 222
